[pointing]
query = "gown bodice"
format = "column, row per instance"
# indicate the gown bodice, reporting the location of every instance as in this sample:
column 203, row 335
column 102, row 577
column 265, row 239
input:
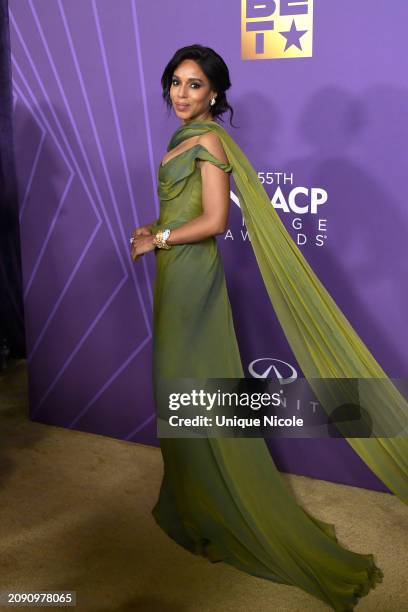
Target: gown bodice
column 179, row 186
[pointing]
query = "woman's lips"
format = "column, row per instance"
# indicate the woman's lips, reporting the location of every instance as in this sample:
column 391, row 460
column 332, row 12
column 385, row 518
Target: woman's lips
column 182, row 106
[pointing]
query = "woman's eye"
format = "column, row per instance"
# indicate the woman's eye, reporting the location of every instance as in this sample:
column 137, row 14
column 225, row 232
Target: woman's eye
column 175, row 82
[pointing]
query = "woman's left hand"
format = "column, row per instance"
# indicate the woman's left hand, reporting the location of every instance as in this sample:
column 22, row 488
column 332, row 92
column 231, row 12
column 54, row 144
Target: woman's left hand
column 142, row 245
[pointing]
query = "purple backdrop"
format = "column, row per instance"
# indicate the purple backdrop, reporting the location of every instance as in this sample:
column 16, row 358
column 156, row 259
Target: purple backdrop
column 91, row 128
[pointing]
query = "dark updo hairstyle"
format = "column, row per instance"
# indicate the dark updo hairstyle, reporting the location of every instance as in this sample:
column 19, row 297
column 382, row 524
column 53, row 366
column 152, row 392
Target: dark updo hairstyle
column 214, row 68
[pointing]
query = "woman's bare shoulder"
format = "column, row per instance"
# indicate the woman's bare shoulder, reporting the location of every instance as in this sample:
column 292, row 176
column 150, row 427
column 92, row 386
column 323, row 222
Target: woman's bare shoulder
column 212, row 142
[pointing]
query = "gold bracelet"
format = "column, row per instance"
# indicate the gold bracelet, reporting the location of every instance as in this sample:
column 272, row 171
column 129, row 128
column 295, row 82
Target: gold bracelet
column 160, row 241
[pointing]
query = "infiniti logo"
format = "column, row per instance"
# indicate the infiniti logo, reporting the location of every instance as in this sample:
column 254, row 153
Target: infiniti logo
column 263, row 370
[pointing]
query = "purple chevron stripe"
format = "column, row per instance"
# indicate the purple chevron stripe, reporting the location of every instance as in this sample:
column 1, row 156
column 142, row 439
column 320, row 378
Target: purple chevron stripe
column 107, row 384
column 32, row 174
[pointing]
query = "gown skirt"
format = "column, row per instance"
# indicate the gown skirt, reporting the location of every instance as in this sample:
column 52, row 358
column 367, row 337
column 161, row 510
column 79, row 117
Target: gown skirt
column 224, row 498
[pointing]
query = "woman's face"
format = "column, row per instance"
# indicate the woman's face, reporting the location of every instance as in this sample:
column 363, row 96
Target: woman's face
column 190, row 92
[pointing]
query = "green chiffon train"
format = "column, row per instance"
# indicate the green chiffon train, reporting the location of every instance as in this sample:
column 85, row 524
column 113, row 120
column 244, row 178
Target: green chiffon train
column 224, row 498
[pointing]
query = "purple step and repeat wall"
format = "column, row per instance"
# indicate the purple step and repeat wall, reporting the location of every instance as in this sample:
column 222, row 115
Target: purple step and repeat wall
column 320, row 95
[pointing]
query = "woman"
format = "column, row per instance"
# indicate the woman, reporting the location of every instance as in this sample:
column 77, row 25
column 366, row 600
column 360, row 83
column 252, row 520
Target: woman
column 220, row 497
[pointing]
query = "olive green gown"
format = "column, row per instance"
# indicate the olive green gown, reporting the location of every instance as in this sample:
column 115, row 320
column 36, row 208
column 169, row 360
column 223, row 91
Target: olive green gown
column 224, row 498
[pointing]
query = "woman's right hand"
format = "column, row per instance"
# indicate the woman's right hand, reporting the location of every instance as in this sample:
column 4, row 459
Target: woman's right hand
column 144, row 230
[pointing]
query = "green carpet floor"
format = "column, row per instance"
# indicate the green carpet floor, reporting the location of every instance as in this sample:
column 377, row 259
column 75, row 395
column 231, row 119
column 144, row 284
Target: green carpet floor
column 75, row 515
